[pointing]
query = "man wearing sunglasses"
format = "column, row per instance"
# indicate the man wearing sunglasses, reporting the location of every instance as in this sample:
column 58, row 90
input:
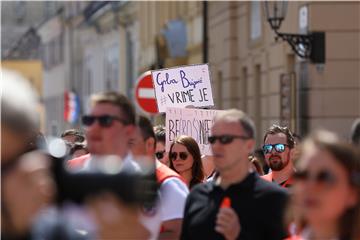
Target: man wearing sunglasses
column 278, row 148
column 108, row 130
column 208, row 216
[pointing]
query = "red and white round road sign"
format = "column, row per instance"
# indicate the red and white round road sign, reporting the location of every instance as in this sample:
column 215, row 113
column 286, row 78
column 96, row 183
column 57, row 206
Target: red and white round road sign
column 145, row 94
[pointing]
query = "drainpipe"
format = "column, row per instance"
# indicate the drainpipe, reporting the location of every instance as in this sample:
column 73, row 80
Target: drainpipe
column 205, row 31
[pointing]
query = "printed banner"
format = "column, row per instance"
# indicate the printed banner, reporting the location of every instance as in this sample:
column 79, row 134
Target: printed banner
column 183, row 86
column 196, row 123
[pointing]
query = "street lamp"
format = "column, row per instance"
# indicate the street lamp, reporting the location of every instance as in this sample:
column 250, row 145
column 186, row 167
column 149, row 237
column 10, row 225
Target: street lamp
column 311, row 46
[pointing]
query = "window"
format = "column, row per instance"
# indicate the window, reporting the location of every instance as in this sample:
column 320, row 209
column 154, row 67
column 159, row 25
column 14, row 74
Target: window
column 53, row 52
column 255, row 20
column 20, row 11
column 88, row 77
column 111, row 68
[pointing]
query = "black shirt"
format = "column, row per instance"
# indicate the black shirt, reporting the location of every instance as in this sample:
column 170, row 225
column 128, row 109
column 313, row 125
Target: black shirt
column 259, row 204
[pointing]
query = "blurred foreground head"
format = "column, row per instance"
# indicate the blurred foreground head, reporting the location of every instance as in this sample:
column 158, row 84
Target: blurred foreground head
column 19, row 118
column 24, row 177
column 327, row 187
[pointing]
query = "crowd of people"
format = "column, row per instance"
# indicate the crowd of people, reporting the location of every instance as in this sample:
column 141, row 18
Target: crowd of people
column 288, row 188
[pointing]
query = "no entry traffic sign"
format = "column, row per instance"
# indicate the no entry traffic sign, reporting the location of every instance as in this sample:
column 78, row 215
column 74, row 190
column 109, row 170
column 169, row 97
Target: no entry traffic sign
column 145, row 94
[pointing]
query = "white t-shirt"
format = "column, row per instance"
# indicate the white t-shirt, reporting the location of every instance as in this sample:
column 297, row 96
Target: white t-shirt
column 98, row 163
column 170, row 205
column 173, row 193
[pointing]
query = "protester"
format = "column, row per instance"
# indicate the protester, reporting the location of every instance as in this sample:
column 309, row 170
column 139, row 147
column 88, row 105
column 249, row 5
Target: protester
column 143, row 142
column 326, row 202
column 256, row 165
column 73, row 136
column 173, row 191
column 27, row 187
column 208, row 166
column 278, row 146
column 185, row 159
column 258, row 154
column 161, row 153
column 247, row 196
column 109, row 129
column 78, row 149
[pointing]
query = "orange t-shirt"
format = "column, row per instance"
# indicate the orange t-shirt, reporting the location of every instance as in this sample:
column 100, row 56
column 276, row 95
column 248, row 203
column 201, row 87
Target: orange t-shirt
column 286, row 184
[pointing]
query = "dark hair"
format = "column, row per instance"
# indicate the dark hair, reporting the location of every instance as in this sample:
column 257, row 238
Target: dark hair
column 193, row 148
column 258, row 153
column 119, row 100
column 145, row 127
column 355, row 132
column 349, row 158
column 274, row 129
column 160, row 133
column 297, row 138
column 238, row 116
column 257, row 165
column 78, row 146
column 79, row 136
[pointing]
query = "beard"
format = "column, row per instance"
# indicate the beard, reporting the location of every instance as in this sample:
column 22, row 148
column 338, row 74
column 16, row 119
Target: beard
column 276, row 163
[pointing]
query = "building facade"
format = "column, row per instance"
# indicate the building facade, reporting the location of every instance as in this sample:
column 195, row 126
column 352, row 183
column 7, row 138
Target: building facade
column 253, row 72
column 88, row 47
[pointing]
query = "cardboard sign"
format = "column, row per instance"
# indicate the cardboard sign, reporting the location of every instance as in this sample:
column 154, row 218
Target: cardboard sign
column 196, row 123
column 183, row 86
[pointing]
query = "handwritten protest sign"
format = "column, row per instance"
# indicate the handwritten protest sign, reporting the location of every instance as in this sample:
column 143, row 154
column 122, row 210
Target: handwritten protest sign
column 183, row 86
column 196, row 123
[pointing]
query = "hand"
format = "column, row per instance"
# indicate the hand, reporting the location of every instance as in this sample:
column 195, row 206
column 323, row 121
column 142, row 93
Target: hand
column 114, row 219
column 227, row 223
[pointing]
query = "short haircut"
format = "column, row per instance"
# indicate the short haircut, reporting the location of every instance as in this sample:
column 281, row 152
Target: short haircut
column 355, row 132
column 145, row 127
column 235, row 115
column 119, row 100
column 297, row 138
column 79, row 136
column 78, row 146
column 160, row 133
column 275, row 129
column 19, row 102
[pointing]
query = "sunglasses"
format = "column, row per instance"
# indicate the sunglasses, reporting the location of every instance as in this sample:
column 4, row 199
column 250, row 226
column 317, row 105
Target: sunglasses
column 322, row 177
column 182, row 155
column 279, row 147
column 225, row 139
column 104, row 120
column 159, row 155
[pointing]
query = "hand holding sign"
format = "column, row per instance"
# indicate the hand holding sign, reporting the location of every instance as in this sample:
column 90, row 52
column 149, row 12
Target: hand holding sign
column 183, row 86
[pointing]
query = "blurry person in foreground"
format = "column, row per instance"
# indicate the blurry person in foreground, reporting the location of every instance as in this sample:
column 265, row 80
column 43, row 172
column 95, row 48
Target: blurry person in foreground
column 109, row 129
column 326, row 200
column 27, row 187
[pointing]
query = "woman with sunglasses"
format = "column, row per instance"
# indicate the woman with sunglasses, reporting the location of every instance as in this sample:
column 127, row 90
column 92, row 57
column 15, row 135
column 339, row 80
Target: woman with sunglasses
column 326, row 199
column 185, row 159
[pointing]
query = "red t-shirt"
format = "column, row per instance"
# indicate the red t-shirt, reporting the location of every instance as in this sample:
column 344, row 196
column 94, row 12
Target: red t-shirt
column 286, row 184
